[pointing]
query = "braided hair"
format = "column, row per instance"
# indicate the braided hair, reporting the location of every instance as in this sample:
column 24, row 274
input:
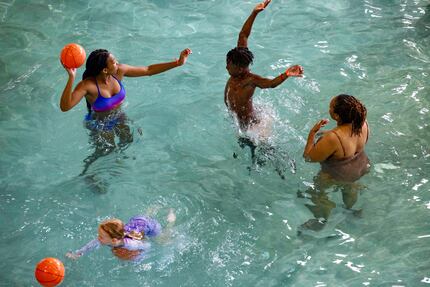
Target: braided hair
column 96, row 62
column 240, row 56
column 350, row 110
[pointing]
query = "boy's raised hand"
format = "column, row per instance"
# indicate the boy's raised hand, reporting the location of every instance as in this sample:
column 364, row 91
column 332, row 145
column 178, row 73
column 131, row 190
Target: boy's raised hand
column 294, row 71
column 261, row 6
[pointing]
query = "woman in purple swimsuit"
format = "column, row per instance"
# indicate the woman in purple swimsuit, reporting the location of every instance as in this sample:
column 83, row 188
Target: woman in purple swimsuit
column 104, row 93
column 340, row 152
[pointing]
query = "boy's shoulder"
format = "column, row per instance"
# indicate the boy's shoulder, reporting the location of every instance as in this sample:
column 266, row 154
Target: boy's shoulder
column 248, row 79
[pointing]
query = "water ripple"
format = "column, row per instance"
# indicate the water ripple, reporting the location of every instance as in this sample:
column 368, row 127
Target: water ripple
column 418, row 52
column 372, row 10
column 355, row 66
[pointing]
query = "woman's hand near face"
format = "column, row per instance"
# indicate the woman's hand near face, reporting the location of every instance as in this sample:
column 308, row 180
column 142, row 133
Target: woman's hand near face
column 323, row 148
column 319, row 125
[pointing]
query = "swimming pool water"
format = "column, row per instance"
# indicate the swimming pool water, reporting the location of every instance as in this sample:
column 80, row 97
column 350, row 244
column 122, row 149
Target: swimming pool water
column 235, row 227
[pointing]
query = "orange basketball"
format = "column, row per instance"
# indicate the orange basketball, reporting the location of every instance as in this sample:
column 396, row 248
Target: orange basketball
column 73, row 55
column 49, row 272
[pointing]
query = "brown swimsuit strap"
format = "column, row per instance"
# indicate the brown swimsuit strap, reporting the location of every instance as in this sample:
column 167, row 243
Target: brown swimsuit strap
column 338, row 137
column 340, row 140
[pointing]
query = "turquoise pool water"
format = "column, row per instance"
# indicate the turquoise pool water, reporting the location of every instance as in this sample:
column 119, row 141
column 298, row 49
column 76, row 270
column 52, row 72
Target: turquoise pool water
column 234, row 227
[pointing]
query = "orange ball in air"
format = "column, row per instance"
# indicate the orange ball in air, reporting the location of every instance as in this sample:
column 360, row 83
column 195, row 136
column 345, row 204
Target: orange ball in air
column 49, row 272
column 73, row 56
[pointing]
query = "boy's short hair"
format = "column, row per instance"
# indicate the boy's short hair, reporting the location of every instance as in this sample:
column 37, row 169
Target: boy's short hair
column 240, row 56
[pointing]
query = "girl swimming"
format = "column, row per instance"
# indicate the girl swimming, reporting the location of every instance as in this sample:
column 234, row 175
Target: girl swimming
column 128, row 237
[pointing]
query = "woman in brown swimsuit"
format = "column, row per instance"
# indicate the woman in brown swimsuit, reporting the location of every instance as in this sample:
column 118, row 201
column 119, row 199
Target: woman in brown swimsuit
column 340, row 152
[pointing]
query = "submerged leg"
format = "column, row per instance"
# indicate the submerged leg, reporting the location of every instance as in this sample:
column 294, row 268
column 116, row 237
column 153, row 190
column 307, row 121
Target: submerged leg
column 322, row 205
column 321, row 209
column 278, row 157
column 96, row 184
column 350, row 196
column 104, row 143
column 246, row 142
column 125, row 135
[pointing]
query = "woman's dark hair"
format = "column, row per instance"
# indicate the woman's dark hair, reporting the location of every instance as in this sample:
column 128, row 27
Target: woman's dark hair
column 96, row 62
column 350, row 110
column 240, row 56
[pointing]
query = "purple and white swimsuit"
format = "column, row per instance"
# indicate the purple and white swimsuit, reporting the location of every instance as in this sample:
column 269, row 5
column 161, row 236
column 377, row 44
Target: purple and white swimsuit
column 137, row 224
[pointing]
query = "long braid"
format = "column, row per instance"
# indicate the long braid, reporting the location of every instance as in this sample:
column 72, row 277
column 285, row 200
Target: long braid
column 350, row 110
column 358, row 116
column 96, row 62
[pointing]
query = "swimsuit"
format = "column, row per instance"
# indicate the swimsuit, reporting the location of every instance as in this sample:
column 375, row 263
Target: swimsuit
column 347, row 169
column 103, row 104
column 93, row 123
column 140, row 223
column 136, row 224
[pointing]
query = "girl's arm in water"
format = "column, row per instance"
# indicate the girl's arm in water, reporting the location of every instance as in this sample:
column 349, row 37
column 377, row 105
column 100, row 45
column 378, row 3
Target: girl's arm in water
column 132, row 71
column 90, row 246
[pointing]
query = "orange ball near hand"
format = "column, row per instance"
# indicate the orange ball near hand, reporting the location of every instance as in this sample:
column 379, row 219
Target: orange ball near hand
column 49, row 272
column 73, row 56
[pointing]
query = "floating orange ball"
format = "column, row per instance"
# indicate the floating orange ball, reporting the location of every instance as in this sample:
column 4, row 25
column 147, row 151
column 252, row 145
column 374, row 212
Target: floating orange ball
column 73, row 56
column 49, row 272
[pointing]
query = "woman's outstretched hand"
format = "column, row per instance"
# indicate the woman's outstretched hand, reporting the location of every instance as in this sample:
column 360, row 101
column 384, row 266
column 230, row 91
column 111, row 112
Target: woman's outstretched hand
column 184, row 56
column 294, row 71
column 261, row 6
